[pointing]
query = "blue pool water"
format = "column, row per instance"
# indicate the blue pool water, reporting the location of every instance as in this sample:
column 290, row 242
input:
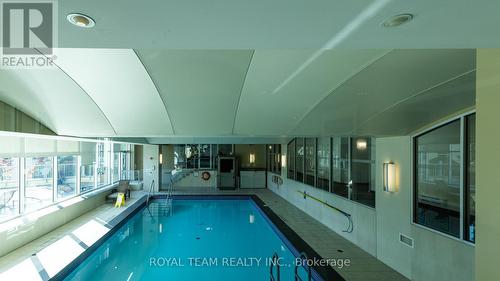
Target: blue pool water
column 196, row 240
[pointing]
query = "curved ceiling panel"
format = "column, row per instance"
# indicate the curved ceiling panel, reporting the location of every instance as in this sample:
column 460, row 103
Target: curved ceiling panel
column 53, row 98
column 118, row 83
column 282, row 86
column 200, row 88
column 387, row 87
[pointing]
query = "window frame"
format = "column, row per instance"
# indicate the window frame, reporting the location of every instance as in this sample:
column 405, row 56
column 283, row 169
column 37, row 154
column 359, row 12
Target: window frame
column 463, row 186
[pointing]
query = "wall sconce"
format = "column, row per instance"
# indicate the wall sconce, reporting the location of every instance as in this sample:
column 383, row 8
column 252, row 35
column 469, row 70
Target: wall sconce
column 283, row 160
column 361, row 144
column 252, row 158
column 389, row 177
column 161, row 158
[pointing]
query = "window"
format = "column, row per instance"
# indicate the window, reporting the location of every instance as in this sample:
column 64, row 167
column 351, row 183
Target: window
column 205, row 156
column 299, row 159
column 115, row 174
column 179, row 156
column 277, row 159
column 274, row 158
column 323, row 164
column 192, row 156
column 88, row 166
column 445, row 178
column 125, row 168
column 470, row 178
column 39, row 182
column 9, row 187
column 340, row 166
column 103, row 156
column 310, row 161
column 36, row 172
column 291, row 160
column 66, row 176
column 362, row 171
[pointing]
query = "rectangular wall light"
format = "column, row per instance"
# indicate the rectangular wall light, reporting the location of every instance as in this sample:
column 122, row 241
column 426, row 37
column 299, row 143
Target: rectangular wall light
column 283, row 160
column 389, row 177
column 252, row 158
column 161, row 158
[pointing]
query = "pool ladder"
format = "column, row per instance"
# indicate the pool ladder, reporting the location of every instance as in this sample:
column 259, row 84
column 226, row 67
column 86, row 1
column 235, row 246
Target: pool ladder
column 274, row 264
column 168, row 199
column 150, row 191
column 302, row 257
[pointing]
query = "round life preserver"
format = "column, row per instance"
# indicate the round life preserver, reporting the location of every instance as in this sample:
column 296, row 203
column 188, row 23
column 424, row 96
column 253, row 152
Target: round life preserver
column 205, row 176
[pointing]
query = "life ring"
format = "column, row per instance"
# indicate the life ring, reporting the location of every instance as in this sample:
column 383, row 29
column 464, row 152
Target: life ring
column 205, row 176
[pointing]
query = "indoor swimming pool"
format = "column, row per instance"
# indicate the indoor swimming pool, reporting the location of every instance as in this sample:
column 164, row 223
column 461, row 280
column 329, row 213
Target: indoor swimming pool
column 219, row 238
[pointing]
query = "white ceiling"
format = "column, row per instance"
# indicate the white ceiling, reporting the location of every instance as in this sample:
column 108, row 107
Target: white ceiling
column 280, row 24
column 242, row 95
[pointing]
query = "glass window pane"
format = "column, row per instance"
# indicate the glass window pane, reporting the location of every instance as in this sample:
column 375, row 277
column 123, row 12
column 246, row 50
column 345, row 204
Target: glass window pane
column 310, row 153
column 323, row 160
column 471, row 178
column 299, row 156
column 437, row 179
column 126, row 172
column 9, row 188
column 103, row 156
column 277, row 158
column 362, row 171
column 116, row 166
column 179, row 156
column 66, row 176
column 340, row 166
column 269, row 153
column 192, row 156
column 88, row 166
column 39, row 183
column 291, row 160
column 204, row 156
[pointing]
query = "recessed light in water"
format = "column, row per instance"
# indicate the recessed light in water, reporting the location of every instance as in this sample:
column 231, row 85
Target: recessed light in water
column 397, row 20
column 81, row 20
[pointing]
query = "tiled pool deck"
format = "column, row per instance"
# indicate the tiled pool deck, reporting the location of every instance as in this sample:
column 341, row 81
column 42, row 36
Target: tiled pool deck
column 68, row 241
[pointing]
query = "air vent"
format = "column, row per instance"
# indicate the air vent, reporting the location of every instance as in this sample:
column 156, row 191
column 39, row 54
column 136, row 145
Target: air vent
column 406, row 240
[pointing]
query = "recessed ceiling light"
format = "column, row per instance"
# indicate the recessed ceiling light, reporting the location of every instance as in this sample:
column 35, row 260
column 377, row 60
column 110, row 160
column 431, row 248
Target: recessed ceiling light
column 397, row 20
column 81, row 20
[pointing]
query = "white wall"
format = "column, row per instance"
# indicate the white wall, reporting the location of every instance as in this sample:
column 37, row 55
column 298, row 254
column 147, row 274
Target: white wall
column 194, row 180
column 150, row 164
column 435, row 257
column 394, row 209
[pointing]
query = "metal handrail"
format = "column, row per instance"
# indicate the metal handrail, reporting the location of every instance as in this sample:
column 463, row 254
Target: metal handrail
column 302, row 257
column 149, row 191
column 274, row 263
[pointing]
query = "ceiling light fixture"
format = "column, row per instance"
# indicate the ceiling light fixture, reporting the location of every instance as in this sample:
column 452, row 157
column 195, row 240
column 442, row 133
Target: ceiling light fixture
column 397, row 20
column 81, row 20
